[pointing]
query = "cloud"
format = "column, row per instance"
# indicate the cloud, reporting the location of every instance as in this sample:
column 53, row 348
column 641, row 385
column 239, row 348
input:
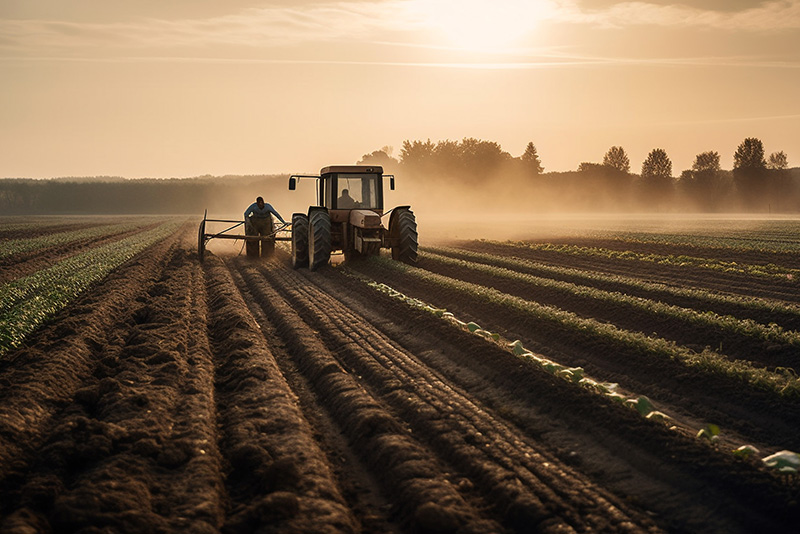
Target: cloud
column 347, row 21
column 766, row 16
column 254, row 27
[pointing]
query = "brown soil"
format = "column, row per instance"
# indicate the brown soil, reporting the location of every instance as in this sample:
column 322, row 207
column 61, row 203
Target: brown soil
column 238, row 396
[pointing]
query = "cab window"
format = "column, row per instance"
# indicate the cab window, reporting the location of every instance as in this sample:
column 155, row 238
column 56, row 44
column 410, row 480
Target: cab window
column 357, row 191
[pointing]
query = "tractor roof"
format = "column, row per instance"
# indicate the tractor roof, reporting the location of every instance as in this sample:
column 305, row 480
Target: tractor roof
column 352, row 169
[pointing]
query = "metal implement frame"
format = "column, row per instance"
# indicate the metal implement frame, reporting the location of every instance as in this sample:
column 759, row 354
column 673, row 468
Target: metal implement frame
column 203, row 237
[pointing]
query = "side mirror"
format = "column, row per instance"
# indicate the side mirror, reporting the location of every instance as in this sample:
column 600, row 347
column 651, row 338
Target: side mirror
column 292, row 183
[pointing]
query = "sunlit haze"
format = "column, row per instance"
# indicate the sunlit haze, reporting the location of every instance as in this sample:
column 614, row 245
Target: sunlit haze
column 194, row 87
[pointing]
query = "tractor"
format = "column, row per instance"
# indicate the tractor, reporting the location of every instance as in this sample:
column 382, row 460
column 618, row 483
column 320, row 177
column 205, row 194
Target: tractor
column 349, row 217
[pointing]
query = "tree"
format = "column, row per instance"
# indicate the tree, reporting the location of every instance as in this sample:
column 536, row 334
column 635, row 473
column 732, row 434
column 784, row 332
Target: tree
column 530, row 160
column 778, row 161
column 617, row 158
column 750, row 155
column 705, row 185
column 656, row 184
column 417, row 155
column 706, row 162
column 750, row 174
column 382, row 157
column 657, row 165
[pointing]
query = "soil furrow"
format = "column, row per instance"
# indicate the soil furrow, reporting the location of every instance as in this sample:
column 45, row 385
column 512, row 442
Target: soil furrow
column 17, row 266
column 359, row 485
column 39, row 379
column 426, row 497
column 789, row 320
column 136, row 450
column 730, row 283
column 648, row 463
column 736, row 344
column 740, row 255
column 528, row 488
column 757, row 415
column 277, row 477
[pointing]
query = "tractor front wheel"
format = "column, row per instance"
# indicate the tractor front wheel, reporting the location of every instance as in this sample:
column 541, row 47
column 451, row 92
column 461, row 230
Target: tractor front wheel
column 299, row 240
column 319, row 239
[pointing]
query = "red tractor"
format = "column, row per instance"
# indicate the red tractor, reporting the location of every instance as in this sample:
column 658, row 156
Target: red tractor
column 349, row 217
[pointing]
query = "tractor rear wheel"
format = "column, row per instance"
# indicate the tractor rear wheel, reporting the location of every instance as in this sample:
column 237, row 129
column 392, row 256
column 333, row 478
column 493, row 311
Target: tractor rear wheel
column 319, row 239
column 299, row 240
column 406, row 230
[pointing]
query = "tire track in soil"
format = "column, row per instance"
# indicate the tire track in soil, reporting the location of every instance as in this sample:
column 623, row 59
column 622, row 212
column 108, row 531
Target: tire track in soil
column 756, row 415
column 681, row 276
column 694, row 335
column 134, row 450
column 684, row 480
column 425, row 497
column 359, row 487
column 277, row 478
column 529, row 489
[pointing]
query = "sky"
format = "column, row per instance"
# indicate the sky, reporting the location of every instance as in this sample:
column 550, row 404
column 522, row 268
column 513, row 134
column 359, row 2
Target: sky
column 193, row 87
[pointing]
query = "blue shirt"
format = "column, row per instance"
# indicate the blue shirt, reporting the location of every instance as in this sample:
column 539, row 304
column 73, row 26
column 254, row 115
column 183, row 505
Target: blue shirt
column 260, row 213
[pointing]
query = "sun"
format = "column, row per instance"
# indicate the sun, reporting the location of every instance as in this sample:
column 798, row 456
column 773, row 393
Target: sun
column 485, row 25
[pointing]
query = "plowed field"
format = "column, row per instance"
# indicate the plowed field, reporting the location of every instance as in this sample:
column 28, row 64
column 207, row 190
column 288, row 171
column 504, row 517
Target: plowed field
column 243, row 396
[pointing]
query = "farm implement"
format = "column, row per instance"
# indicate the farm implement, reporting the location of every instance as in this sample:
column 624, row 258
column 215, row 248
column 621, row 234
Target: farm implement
column 348, row 218
column 256, row 245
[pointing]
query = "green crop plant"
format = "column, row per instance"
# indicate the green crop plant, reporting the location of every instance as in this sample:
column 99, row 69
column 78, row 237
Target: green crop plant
column 18, row 246
column 585, row 277
column 767, row 270
column 590, row 330
column 25, row 303
column 748, row 327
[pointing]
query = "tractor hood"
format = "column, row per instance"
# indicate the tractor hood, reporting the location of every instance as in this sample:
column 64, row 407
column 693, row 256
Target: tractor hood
column 365, row 219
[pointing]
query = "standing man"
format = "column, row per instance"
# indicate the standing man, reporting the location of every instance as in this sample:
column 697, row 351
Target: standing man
column 258, row 222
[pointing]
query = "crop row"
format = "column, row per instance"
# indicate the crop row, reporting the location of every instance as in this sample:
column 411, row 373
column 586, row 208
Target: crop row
column 627, row 284
column 27, row 302
column 768, row 270
column 784, row 461
column 748, row 327
column 786, row 384
column 780, row 237
column 18, row 246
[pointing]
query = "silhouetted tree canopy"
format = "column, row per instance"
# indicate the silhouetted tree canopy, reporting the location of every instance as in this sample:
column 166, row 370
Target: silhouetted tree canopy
column 778, row 161
column 380, row 157
column 750, row 155
column 469, row 160
column 705, row 186
column 657, row 165
column 616, row 158
column 706, row 162
column 530, row 160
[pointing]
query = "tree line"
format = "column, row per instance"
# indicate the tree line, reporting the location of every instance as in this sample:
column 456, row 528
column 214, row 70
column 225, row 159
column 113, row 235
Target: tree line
column 756, row 183
column 475, row 172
